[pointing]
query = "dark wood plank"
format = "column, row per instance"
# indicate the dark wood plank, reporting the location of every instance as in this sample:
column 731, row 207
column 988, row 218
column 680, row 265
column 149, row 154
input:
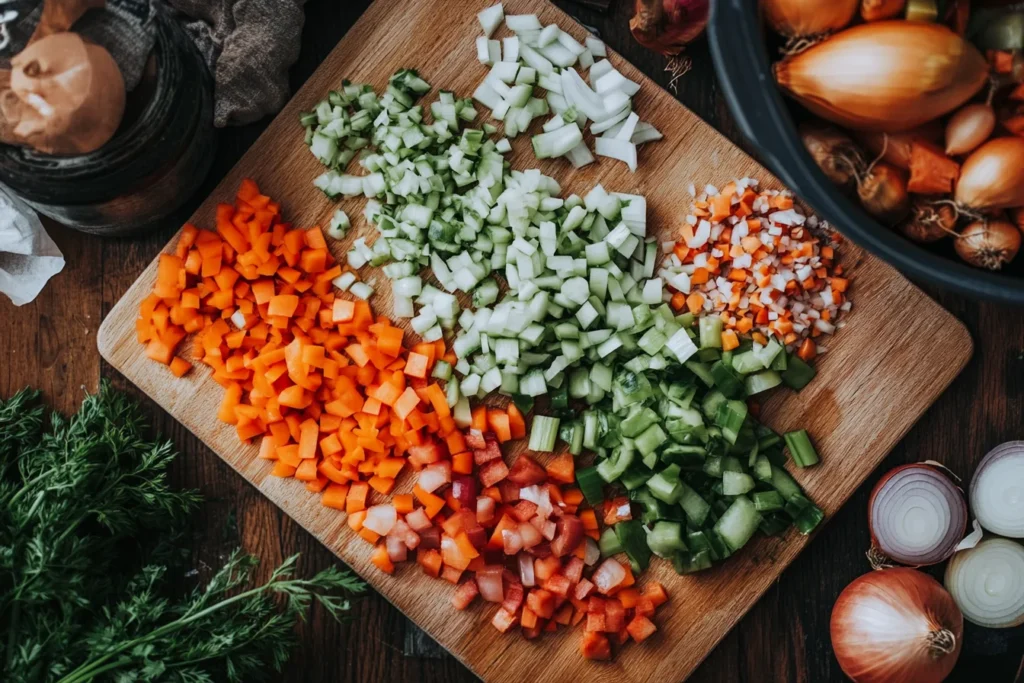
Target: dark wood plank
column 50, row 344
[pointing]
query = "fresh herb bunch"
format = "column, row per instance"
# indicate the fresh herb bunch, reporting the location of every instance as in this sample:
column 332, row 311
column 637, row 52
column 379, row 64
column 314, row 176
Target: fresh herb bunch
column 89, row 532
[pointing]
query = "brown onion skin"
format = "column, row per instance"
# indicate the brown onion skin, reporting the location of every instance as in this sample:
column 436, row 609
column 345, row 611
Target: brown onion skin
column 920, row 229
column 844, row 79
column 992, row 177
column 666, row 26
column 883, row 193
column 988, row 243
column 796, row 18
column 968, row 128
column 835, row 153
column 857, row 658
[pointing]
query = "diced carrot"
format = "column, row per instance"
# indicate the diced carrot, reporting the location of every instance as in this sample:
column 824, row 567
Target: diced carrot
column 931, row 171
column 516, row 422
column 380, row 559
column 498, row 422
column 808, row 350
column 730, row 341
column 180, row 366
column 462, row 463
column 334, row 496
column 479, row 418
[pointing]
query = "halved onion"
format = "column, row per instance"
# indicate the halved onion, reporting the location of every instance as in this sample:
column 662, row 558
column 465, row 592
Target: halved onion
column 987, row 583
column 997, row 490
column 917, row 515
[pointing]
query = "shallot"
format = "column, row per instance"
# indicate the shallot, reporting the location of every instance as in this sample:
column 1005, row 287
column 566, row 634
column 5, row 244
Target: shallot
column 988, row 243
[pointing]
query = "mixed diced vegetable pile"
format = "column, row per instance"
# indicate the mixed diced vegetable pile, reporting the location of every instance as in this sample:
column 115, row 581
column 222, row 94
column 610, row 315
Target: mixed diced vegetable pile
column 638, row 363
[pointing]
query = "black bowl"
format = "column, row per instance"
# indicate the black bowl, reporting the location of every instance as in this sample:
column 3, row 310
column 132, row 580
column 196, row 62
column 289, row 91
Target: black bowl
column 741, row 59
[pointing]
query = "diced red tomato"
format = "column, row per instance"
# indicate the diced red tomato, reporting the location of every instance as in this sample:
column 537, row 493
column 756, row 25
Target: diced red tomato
column 595, row 623
column 465, row 594
column 475, row 439
column 503, row 620
column 558, row 584
column 513, row 591
column 596, row 646
column 524, row 510
column 489, row 452
column 644, row 606
column 526, row 472
column 493, row 472
column 541, row 602
column 614, row 615
column 583, row 589
column 641, row 628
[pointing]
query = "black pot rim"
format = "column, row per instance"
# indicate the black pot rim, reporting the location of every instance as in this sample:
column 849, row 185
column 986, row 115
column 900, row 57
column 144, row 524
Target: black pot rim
column 745, row 75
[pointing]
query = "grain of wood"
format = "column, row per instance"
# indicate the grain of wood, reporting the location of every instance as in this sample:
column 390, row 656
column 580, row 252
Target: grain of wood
column 855, row 412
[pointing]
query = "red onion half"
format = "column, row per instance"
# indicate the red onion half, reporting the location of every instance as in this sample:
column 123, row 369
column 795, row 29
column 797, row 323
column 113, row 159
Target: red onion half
column 917, row 515
column 997, row 490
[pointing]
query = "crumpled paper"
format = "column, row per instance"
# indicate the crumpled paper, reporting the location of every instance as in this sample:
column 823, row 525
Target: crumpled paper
column 28, row 257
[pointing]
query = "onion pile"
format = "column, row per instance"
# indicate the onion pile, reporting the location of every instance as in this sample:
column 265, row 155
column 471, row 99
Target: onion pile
column 997, row 490
column 910, row 88
column 917, row 516
column 886, row 76
column 896, row 625
column 987, row 583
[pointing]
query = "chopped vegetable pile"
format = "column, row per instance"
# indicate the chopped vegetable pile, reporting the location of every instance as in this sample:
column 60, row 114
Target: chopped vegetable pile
column 767, row 269
column 545, row 56
column 335, row 398
column 646, row 361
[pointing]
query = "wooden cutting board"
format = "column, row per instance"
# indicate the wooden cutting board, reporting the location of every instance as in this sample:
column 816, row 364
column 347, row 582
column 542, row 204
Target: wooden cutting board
column 896, row 355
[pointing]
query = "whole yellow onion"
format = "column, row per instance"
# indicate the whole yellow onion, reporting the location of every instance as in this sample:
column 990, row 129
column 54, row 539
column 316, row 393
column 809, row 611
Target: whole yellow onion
column 885, row 76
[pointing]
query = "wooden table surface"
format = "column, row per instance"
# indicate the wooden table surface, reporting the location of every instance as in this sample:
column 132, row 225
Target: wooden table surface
column 52, row 345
